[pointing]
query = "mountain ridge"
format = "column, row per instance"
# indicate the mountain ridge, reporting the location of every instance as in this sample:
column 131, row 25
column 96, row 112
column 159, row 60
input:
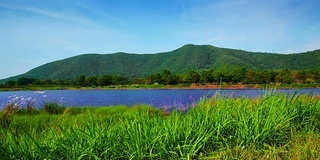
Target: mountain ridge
column 178, row 61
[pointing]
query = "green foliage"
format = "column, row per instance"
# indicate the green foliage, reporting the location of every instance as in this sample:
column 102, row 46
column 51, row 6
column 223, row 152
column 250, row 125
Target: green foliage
column 191, row 77
column 154, row 78
column 105, row 80
column 81, row 81
column 168, row 78
column 10, row 83
column 296, row 78
column 179, row 61
column 207, row 76
column 92, row 81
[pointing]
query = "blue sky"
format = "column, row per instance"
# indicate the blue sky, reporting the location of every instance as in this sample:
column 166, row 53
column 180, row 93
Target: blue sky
column 35, row 32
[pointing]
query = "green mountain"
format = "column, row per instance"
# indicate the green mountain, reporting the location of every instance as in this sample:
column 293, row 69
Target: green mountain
column 181, row 60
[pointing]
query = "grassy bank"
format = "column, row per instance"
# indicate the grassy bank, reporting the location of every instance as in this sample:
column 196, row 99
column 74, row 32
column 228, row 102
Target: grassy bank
column 275, row 126
column 161, row 86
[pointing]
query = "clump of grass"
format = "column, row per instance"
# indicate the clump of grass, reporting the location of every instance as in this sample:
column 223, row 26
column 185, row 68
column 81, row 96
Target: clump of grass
column 31, row 106
column 54, row 107
column 12, row 107
column 7, row 113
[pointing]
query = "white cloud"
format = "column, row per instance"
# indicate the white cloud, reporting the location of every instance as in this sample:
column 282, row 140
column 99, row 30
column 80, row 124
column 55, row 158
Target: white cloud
column 31, row 9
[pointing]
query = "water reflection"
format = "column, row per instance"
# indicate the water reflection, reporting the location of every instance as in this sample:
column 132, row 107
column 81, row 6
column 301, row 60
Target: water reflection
column 172, row 98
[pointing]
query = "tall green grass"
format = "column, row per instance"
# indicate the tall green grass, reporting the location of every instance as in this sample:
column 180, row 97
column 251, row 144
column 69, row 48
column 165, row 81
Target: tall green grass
column 275, row 126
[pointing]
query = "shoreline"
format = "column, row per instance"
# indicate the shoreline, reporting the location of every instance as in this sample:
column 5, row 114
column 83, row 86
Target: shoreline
column 164, row 87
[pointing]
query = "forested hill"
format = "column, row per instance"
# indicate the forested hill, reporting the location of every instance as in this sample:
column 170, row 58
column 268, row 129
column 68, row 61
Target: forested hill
column 181, row 60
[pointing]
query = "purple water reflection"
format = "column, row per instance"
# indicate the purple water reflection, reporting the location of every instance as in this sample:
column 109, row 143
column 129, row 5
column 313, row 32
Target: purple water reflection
column 172, row 98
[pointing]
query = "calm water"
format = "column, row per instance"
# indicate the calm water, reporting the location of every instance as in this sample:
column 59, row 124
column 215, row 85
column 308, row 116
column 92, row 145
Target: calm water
column 159, row 98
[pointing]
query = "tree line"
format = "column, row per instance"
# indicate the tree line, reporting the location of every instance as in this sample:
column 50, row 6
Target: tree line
column 232, row 76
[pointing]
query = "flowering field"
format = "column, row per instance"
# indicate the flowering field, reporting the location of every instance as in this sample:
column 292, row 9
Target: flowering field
column 275, row 126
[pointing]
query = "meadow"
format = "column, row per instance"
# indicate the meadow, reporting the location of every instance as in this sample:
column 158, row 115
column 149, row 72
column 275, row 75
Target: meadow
column 273, row 126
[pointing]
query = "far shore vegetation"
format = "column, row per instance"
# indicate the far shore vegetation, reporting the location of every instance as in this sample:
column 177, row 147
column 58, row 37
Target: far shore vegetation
column 238, row 78
column 273, row 126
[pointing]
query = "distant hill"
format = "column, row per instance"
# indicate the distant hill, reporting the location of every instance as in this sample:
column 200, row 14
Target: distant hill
column 181, row 60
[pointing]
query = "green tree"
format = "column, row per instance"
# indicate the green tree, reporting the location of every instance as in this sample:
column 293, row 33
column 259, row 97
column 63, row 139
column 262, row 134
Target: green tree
column 168, row 78
column 238, row 74
column 250, row 75
column 92, row 81
column 24, row 81
column 317, row 74
column 268, row 76
column 81, row 81
column 207, row 76
column 310, row 81
column 10, row 83
column 284, row 76
column 138, row 81
column 192, row 77
column 154, row 78
column 39, row 82
column 105, row 80
column 118, row 80
column 217, row 76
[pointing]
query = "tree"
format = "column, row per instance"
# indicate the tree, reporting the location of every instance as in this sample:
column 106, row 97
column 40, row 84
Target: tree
column 257, row 77
column 310, row 81
column 24, row 81
column 207, row 76
column 268, row 76
column 217, row 76
column 317, row 74
column 105, row 80
column 250, row 77
column 118, row 80
column 92, row 81
column 239, row 74
column 168, row 78
column 81, row 81
column 137, row 81
column 38, row 82
column 154, row 78
column 192, row 77
column 284, row 76
column 10, row 83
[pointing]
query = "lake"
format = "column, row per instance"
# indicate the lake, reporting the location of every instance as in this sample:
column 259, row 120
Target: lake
column 161, row 98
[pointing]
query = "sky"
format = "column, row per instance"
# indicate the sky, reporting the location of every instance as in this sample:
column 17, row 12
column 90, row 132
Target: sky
column 35, row 32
